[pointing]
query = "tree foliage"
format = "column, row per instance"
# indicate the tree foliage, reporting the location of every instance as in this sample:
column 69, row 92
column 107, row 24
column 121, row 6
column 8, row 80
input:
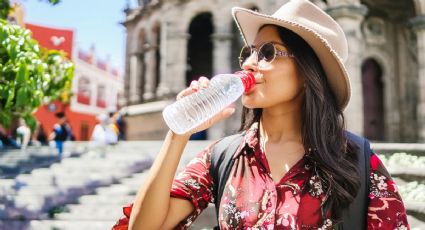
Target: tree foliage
column 29, row 74
column 5, row 6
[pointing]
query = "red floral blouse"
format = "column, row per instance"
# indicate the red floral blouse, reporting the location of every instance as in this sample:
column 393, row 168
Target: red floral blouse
column 252, row 200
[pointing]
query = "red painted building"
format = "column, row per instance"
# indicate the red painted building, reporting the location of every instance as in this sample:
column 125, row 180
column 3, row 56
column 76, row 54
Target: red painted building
column 95, row 86
column 53, row 38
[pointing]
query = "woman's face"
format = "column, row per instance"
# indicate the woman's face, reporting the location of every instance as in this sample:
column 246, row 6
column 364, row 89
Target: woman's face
column 278, row 82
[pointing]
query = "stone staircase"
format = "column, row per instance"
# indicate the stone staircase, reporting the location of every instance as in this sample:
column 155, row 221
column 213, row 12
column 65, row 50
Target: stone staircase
column 15, row 162
column 101, row 209
column 88, row 192
column 43, row 190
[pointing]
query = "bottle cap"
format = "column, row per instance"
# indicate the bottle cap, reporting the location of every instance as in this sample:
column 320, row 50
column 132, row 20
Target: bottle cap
column 247, row 78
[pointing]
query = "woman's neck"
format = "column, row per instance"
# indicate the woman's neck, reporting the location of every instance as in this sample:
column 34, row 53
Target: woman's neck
column 281, row 126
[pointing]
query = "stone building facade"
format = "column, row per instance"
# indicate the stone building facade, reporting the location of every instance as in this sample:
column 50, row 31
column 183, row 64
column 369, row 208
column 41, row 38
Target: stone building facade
column 171, row 42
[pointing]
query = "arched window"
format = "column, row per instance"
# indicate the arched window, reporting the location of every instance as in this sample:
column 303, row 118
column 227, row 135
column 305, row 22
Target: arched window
column 83, row 91
column 101, row 96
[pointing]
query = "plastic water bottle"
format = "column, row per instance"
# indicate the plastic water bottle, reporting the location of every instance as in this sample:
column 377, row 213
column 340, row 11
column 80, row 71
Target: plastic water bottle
column 191, row 111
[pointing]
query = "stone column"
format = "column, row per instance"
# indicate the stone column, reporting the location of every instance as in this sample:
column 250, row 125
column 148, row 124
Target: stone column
column 222, row 46
column 418, row 25
column 222, row 42
column 127, row 77
column 173, row 54
column 150, row 63
column 350, row 17
column 133, row 81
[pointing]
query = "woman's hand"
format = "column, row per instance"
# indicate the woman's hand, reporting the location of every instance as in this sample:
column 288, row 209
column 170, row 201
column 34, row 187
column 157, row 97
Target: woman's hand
column 195, row 86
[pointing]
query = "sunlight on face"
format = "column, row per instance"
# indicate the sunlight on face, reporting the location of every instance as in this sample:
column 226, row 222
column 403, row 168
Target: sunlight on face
column 278, row 83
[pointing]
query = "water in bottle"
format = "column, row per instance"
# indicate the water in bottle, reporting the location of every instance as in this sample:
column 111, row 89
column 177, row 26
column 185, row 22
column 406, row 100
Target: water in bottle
column 191, row 111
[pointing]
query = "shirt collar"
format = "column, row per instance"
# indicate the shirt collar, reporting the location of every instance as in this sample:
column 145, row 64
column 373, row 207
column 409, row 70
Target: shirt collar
column 250, row 140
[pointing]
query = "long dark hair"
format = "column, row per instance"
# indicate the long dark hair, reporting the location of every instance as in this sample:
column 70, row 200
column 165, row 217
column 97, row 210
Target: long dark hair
column 334, row 157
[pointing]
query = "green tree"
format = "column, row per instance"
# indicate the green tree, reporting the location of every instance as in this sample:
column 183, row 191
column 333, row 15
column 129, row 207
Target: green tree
column 5, row 7
column 29, row 74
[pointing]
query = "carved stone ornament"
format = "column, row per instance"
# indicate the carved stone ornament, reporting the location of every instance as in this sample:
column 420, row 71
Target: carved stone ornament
column 374, row 31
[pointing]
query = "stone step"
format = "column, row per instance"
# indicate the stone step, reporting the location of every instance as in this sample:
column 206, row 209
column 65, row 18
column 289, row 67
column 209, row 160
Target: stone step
column 415, row 224
column 403, row 163
column 77, row 179
column 46, row 189
column 106, row 212
column 135, row 179
column 400, row 170
column 79, row 170
column 6, row 184
column 70, row 225
column 15, row 163
column 101, row 199
column 415, row 206
column 116, row 190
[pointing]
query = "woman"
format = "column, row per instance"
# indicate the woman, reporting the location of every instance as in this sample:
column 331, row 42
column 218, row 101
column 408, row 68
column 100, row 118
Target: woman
column 294, row 168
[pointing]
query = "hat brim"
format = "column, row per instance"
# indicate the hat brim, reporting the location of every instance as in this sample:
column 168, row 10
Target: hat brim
column 249, row 22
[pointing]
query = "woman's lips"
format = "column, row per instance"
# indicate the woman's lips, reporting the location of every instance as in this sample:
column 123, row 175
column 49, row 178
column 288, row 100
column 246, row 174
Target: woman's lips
column 259, row 79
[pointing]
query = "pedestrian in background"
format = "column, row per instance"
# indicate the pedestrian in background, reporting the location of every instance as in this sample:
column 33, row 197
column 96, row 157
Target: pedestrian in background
column 23, row 134
column 61, row 132
column 104, row 133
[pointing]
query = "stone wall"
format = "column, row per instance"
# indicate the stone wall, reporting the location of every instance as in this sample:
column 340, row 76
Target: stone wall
column 389, row 32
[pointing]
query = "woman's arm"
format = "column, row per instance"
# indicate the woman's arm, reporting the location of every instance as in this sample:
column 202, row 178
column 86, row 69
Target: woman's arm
column 153, row 203
column 153, row 207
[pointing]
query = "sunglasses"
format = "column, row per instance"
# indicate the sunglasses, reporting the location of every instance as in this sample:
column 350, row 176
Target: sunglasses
column 265, row 54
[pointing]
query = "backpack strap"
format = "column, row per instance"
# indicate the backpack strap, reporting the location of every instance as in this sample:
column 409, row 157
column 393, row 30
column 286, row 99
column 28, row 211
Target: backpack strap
column 354, row 217
column 221, row 165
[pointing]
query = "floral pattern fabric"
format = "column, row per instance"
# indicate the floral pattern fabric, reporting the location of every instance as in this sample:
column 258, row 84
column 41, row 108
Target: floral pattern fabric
column 253, row 200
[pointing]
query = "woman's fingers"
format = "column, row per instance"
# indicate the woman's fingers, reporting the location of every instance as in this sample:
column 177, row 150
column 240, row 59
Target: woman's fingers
column 203, row 82
column 184, row 93
column 194, row 86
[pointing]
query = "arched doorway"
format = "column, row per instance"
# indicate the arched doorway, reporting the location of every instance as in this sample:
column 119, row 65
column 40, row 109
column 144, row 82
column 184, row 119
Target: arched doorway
column 199, row 53
column 373, row 100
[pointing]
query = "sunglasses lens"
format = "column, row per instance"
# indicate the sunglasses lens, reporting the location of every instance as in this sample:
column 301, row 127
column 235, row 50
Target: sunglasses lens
column 267, row 52
column 245, row 53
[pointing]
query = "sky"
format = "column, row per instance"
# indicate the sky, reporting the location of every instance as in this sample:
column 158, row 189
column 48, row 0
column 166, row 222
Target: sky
column 95, row 22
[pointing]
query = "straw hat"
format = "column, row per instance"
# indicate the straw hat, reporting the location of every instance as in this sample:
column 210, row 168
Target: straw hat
column 316, row 27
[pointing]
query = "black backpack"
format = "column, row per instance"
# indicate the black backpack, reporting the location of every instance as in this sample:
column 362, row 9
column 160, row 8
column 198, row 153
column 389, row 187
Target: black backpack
column 62, row 133
column 354, row 217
